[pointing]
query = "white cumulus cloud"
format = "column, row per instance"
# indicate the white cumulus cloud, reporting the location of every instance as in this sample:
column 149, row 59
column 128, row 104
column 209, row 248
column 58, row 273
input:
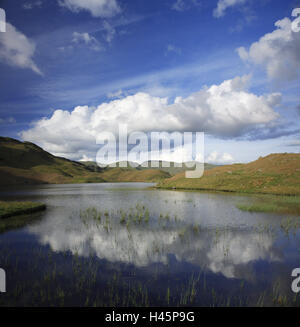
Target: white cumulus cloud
column 224, row 4
column 97, row 8
column 225, row 110
column 17, row 50
column 86, row 159
column 219, row 158
column 278, row 52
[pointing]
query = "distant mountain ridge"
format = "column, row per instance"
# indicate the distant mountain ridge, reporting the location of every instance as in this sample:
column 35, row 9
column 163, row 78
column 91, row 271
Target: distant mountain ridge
column 172, row 168
column 27, row 163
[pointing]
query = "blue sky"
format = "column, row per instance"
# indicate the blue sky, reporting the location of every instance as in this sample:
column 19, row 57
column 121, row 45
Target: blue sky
column 127, row 61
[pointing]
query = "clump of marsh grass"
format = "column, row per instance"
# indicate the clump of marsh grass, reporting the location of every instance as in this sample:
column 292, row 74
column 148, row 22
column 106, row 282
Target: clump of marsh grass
column 273, row 203
column 290, row 224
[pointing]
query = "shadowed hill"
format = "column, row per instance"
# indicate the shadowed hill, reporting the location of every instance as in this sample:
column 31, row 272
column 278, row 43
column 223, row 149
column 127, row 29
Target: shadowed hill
column 274, row 174
column 27, row 163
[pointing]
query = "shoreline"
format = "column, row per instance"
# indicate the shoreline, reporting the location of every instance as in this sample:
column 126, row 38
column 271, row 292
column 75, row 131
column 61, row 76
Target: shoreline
column 223, row 191
column 261, row 202
column 13, row 208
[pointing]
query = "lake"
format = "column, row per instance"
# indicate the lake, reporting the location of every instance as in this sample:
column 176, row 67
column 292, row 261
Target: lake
column 127, row 244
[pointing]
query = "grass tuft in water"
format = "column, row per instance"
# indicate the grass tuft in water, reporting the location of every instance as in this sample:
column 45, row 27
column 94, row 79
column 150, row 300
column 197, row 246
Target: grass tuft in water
column 277, row 204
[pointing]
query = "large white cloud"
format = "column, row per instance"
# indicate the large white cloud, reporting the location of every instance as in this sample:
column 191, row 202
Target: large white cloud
column 17, row 50
column 278, row 52
column 224, row 4
column 97, row 8
column 225, row 110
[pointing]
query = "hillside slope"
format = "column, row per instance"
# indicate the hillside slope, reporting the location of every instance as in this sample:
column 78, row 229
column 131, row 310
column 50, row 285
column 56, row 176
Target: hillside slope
column 26, row 163
column 170, row 167
column 274, row 174
column 134, row 175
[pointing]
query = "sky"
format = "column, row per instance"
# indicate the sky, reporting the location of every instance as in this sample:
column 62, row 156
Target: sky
column 71, row 69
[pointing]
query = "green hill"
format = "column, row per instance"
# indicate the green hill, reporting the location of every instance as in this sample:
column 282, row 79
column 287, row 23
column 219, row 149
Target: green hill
column 274, row 174
column 26, row 163
column 171, row 167
column 134, row 175
column 140, row 173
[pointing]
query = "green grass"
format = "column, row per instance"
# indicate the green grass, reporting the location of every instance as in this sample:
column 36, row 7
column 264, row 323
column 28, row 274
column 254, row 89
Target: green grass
column 9, row 209
column 274, row 174
column 277, row 204
column 258, row 208
column 18, row 214
column 26, row 163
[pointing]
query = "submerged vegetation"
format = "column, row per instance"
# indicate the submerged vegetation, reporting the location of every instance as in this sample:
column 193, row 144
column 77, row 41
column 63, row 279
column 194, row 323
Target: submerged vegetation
column 73, row 277
column 151, row 248
column 86, row 285
column 137, row 255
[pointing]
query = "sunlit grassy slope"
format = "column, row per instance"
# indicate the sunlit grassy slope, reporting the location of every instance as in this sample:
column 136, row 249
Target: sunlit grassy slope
column 133, row 175
column 274, row 174
column 26, row 163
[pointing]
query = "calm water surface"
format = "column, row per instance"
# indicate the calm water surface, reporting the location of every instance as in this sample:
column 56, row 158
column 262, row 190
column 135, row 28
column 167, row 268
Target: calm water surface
column 128, row 245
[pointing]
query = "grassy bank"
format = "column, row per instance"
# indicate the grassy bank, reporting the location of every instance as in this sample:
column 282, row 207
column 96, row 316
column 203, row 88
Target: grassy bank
column 275, row 174
column 18, row 214
column 277, row 204
column 10, row 209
